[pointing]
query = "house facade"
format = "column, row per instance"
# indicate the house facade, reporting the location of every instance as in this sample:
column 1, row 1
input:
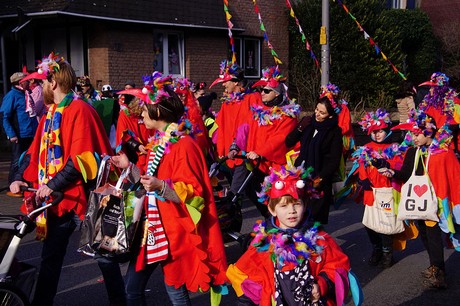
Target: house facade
column 116, row 41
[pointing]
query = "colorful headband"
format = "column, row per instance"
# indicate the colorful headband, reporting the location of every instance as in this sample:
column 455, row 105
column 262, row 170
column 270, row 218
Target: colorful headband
column 418, row 122
column 154, row 87
column 288, row 180
column 46, row 66
column 437, row 79
column 228, row 71
column 271, row 77
column 374, row 121
column 331, row 91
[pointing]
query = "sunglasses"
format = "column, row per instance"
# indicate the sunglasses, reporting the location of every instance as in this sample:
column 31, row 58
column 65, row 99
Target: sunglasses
column 266, row 91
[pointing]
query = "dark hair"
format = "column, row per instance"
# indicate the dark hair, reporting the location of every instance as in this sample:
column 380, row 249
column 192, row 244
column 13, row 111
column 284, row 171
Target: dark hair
column 406, row 89
column 169, row 109
column 330, row 109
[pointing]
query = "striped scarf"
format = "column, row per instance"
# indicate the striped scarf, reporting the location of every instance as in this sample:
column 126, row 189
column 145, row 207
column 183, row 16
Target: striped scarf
column 50, row 148
column 154, row 245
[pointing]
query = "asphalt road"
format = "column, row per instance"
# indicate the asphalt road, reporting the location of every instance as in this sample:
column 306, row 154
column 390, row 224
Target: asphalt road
column 398, row 285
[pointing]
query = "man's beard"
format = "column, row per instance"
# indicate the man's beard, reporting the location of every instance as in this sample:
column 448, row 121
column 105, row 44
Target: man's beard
column 48, row 96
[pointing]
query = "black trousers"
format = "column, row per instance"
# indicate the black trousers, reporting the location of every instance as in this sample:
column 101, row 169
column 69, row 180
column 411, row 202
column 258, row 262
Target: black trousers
column 16, row 151
column 432, row 240
column 380, row 241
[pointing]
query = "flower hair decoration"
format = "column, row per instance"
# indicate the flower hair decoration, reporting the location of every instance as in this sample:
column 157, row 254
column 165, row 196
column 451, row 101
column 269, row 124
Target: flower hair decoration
column 288, row 180
column 331, row 91
column 154, row 87
column 374, row 121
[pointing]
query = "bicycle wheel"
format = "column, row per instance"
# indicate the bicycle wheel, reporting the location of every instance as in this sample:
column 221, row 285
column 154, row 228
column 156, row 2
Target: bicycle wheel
column 12, row 296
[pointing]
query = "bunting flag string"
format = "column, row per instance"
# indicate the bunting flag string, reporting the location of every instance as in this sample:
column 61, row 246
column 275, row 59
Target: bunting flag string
column 304, row 38
column 371, row 41
column 262, row 28
column 228, row 17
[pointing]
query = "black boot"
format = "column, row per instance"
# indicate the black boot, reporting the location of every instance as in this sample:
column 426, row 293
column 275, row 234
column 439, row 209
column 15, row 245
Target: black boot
column 387, row 260
column 375, row 257
column 436, row 280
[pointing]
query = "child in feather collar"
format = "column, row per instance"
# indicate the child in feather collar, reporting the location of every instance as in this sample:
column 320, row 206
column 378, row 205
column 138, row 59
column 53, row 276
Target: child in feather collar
column 289, row 262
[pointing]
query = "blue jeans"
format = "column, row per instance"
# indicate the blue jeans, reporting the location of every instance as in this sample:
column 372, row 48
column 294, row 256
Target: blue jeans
column 113, row 279
column 53, row 252
column 137, row 281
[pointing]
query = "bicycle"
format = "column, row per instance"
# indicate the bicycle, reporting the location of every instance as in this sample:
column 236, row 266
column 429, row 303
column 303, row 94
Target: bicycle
column 17, row 279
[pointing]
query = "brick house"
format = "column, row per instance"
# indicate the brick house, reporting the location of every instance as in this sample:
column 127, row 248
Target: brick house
column 120, row 40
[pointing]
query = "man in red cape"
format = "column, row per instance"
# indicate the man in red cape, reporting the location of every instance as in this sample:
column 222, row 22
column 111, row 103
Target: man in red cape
column 61, row 158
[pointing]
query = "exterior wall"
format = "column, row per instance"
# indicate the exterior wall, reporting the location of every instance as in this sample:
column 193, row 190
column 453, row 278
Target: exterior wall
column 276, row 20
column 441, row 12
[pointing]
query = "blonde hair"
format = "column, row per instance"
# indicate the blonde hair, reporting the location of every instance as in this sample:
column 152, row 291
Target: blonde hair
column 65, row 77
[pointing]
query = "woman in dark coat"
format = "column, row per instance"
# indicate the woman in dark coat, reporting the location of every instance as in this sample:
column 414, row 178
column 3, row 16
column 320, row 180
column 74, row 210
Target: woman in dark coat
column 321, row 148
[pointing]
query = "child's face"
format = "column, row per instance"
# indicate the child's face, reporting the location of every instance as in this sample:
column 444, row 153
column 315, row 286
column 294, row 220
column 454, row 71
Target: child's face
column 421, row 140
column 289, row 212
column 379, row 135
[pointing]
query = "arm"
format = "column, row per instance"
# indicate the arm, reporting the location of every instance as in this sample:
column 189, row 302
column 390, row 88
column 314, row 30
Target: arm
column 408, row 165
column 8, row 113
column 66, row 176
column 331, row 158
column 294, row 136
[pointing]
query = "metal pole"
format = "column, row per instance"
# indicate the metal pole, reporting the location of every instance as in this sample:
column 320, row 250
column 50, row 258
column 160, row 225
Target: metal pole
column 324, row 41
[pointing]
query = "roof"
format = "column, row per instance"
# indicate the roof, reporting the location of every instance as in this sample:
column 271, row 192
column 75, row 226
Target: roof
column 202, row 13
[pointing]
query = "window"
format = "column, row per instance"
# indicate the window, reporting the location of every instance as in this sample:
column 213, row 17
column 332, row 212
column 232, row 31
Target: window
column 248, row 56
column 168, row 53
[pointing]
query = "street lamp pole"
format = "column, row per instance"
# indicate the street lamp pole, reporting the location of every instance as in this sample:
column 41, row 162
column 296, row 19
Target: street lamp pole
column 324, row 41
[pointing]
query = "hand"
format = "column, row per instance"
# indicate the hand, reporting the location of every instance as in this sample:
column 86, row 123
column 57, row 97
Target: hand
column 43, row 192
column 142, row 149
column 151, row 183
column 386, row 172
column 15, row 186
column 120, row 161
column 232, row 154
column 380, row 163
column 14, row 139
column 315, row 293
column 252, row 155
column 304, row 122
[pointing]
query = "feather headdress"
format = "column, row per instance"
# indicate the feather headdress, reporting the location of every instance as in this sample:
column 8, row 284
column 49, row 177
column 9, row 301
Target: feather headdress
column 331, row 91
column 288, row 180
column 271, row 77
column 47, row 65
column 374, row 121
column 227, row 71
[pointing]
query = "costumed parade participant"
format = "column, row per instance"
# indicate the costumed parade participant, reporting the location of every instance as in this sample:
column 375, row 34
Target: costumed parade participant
column 182, row 230
column 442, row 103
column 59, row 159
column 230, row 120
column 269, row 120
column 290, row 262
column 439, row 194
column 375, row 188
column 321, row 147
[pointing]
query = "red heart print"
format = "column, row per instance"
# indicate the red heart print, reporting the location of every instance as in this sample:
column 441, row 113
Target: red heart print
column 420, row 189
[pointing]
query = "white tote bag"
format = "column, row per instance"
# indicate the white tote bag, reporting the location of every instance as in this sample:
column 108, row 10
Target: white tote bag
column 381, row 217
column 418, row 198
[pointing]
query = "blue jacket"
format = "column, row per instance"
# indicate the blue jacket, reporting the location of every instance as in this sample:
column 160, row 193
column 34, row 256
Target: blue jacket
column 16, row 122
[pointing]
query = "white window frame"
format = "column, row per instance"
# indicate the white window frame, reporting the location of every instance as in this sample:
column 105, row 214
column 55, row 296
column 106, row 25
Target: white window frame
column 241, row 52
column 165, row 55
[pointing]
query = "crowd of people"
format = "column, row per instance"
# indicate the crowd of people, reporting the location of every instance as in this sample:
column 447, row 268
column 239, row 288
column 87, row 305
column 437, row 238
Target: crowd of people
column 164, row 136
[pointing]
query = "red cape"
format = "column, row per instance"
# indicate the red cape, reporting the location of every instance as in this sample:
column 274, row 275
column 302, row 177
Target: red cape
column 268, row 140
column 81, row 131
column 258, row 267
column 197, row 255
column 230, row 117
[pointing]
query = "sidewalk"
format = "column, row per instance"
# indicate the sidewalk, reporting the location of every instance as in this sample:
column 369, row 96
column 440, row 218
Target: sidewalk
column 8, row 205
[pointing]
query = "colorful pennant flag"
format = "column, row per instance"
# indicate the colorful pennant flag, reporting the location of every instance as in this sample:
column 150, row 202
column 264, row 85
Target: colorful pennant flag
column 371, row 41
column 228, row 17
column 304, row 38
column 262, row 28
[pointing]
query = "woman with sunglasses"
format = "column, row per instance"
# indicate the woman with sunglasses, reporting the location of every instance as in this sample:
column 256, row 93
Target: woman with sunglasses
column 321, row 148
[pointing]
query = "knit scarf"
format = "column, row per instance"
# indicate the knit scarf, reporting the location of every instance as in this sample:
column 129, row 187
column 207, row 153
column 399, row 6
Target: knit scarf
column 154, row 245
column 51, row 150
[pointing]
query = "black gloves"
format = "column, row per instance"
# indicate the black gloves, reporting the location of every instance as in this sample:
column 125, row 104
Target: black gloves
column 380, row 163
column 365, row 184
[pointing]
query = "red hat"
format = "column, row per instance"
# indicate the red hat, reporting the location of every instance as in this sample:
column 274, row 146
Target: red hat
column 34, row 75
column 374, row 121
column 286, row 181
column 437, row 79
column 271, row 78
column 228, row 71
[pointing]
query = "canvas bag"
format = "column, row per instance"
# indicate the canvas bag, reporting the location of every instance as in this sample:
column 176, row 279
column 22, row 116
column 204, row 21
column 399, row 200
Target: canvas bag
column 418, row 198
column 112, row 217
column 381, row 217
